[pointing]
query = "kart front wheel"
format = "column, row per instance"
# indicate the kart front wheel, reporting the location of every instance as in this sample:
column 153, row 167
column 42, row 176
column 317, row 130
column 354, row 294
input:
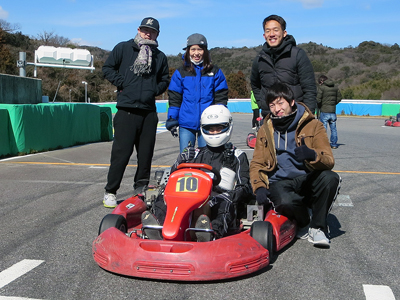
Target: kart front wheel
column 262, row 232
column 112, row 220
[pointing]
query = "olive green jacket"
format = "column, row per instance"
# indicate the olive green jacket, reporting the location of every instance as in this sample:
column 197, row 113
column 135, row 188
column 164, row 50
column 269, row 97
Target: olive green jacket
column 328, row 97
column 265, row 160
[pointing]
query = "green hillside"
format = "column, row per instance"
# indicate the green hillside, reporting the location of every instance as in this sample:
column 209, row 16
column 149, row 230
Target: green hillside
column 368, row 71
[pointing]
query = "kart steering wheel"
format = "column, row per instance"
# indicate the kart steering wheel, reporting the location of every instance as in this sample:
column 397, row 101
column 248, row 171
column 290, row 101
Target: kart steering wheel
column 217, row 176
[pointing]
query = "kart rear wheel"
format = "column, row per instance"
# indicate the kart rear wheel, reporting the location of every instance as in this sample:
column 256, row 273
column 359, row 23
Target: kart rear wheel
column 112, row 220
column 261, row 231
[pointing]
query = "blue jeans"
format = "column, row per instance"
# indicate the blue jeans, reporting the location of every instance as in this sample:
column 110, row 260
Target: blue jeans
column 330, row 118
column 189, row 135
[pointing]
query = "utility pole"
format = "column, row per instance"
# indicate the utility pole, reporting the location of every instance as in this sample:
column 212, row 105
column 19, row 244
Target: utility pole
column 85, row 83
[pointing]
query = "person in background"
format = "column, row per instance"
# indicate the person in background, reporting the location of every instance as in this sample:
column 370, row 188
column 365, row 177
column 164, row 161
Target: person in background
column 140, row 72
column 196, row 85
column 291, row 169
column 327, row 98
column 256, row 112
column 281, row 61
column 233, row 165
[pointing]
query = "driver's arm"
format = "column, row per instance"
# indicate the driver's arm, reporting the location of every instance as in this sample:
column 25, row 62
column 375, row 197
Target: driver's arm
column 188, row 154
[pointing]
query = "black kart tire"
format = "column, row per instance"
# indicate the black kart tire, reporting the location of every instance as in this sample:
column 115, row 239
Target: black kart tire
column 112, row 220
column 262, row 232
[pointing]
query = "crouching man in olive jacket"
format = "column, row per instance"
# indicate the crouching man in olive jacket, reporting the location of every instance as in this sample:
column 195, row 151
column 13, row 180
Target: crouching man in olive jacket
column 292, row 163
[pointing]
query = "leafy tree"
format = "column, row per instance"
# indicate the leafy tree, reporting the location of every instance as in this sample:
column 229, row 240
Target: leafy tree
column 348, row 93
column 237, row 85
column 6, row 59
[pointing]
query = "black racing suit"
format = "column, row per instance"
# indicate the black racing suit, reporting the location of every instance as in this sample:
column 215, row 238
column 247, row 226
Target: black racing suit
column 223, row 203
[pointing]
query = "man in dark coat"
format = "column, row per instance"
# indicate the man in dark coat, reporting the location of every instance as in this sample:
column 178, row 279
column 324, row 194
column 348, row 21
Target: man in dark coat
column 140, row 72
column 327, row 98
column 281, row 61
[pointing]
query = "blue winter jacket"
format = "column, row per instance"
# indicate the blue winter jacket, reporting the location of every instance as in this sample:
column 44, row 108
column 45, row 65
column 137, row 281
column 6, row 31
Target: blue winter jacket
column 189, row 94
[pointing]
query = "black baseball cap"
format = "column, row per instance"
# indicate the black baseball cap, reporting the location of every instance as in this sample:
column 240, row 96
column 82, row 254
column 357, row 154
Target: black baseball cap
column 150, row 23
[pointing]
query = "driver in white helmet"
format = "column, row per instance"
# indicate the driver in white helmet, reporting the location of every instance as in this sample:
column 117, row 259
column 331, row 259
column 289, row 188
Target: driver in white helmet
column 234, row 188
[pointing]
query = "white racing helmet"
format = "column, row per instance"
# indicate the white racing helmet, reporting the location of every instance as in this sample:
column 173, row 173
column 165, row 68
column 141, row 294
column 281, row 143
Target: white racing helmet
column 216, row 115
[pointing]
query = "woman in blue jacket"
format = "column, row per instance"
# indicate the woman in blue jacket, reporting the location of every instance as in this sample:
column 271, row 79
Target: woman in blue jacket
column 196, row 85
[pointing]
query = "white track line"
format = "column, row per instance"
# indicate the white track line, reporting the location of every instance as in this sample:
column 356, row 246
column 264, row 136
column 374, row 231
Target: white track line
column 378, row 292
column 343, row 200
column 17, row 270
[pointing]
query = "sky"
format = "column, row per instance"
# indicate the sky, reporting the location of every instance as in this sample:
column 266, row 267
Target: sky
column 235, row 23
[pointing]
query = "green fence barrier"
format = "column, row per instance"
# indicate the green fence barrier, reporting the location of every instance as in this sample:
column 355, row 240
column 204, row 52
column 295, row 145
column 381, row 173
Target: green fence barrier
column 6, row 142
column 390, row 109
column 44, row 127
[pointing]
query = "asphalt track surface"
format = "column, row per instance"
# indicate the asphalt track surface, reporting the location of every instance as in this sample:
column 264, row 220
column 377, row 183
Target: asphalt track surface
column 51, row 208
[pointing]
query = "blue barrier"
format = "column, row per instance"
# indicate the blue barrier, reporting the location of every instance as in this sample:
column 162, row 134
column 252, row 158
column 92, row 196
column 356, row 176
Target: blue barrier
column 346, row 107
column 359, row 109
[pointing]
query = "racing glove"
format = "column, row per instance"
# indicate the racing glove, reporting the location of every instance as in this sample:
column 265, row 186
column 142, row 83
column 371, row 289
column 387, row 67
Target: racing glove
column 187, row 155
column 304, row 153
column 262, row 196
column 172, row 125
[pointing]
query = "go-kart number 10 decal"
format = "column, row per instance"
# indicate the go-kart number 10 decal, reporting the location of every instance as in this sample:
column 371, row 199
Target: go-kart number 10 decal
column 187, row 184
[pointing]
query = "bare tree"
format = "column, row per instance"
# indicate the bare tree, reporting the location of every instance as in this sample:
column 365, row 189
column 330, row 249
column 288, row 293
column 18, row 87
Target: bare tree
column 51, row 39
column 45, row 37
column 8, row 27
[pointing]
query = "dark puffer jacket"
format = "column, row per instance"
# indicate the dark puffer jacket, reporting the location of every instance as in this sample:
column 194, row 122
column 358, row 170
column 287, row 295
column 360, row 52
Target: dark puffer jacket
column 287, row 64
column 136, row 92
column 328, row 97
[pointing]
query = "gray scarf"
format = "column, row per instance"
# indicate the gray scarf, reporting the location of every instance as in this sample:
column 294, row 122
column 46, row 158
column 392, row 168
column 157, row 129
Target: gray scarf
column 143, row 61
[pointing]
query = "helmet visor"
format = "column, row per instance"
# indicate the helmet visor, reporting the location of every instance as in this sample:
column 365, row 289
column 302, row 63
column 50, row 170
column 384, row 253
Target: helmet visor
column 212, row 129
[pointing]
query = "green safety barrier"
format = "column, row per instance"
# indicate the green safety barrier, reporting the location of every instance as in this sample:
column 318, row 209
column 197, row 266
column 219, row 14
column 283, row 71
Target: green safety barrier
column 389, row 109
column 43, row 127
column 6, row 141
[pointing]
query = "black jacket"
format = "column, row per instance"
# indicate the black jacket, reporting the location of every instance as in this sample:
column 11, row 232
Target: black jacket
column 287, row 64
column 136, row 91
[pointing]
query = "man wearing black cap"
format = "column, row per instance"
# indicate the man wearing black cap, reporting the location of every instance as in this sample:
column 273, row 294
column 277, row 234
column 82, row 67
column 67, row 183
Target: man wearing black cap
column 140, row 72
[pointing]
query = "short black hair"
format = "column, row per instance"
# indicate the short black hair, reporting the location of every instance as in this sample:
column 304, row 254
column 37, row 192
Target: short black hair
column 279, row 90
column 279, row 19
column 322, row 79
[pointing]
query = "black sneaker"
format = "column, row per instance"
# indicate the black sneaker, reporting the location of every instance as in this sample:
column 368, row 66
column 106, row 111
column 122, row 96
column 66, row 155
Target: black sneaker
column 203, row 222
column 148, row 219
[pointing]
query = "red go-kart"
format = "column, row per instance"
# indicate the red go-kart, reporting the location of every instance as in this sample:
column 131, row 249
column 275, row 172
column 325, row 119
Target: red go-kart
column 393, row 121
column 252, row 136
column 123, row 247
